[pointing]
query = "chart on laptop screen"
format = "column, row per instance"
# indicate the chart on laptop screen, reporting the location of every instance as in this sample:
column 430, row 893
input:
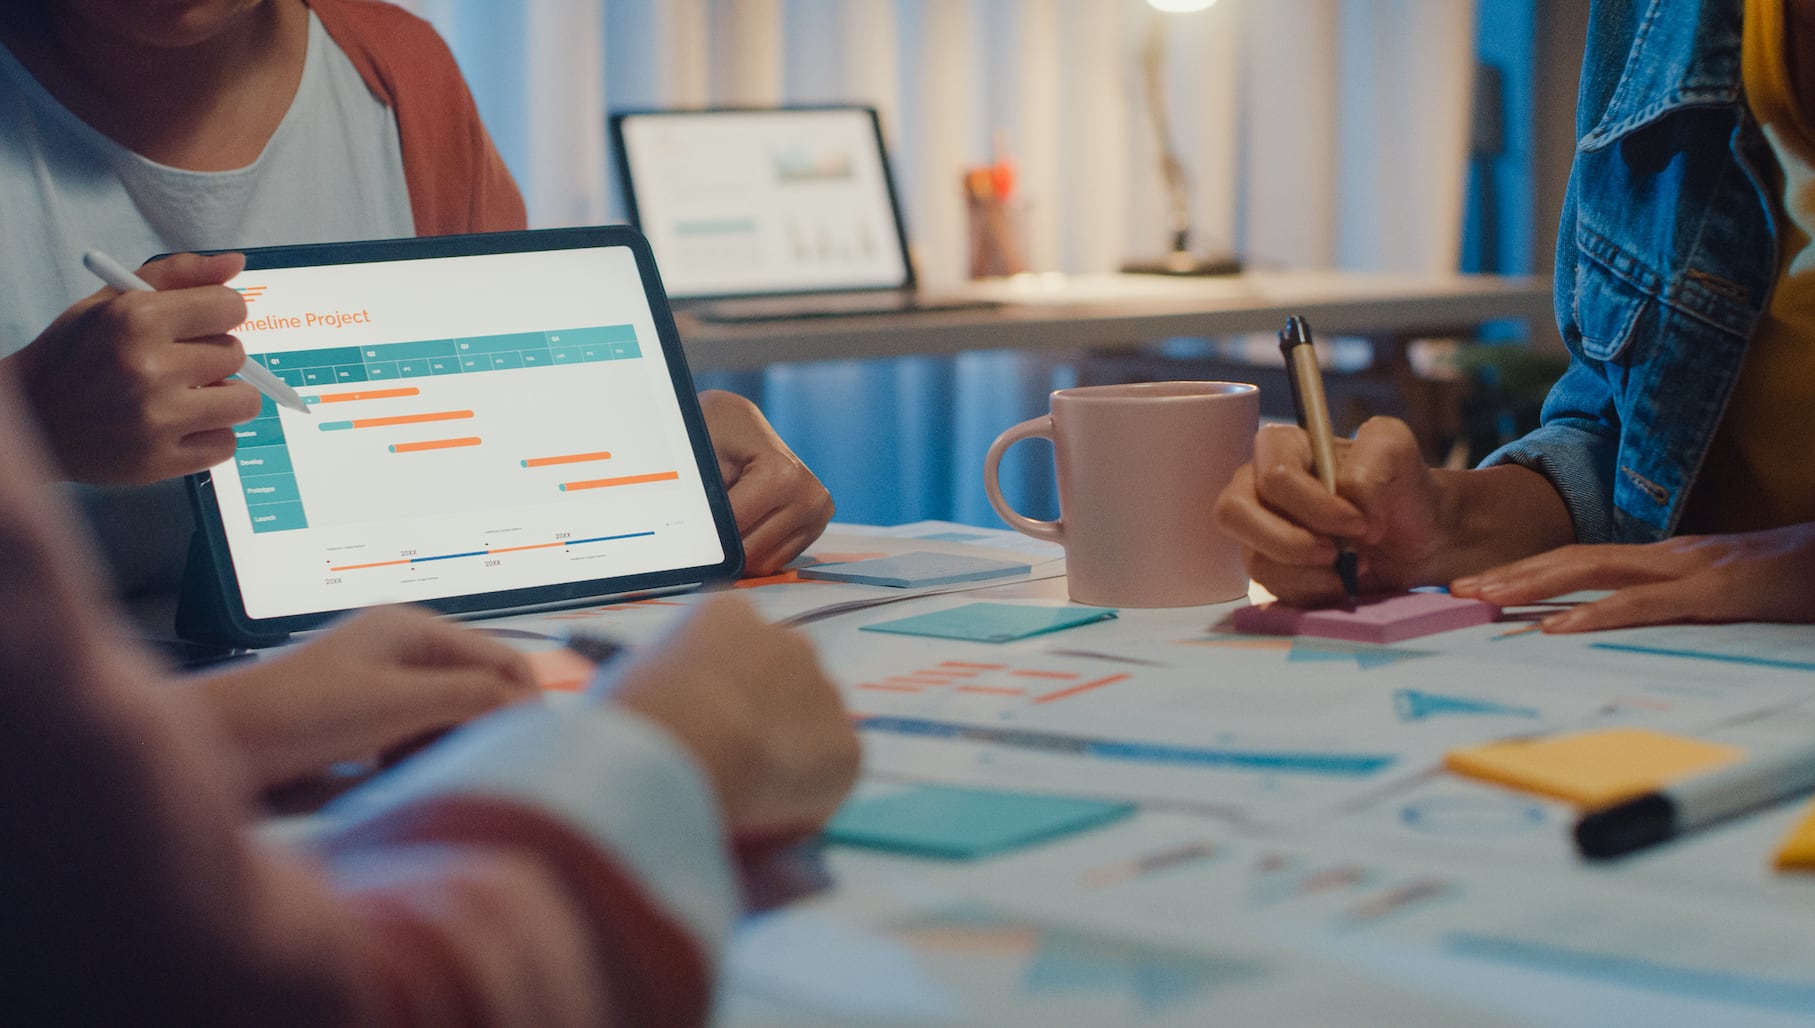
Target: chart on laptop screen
column 752, row 201
column 479, row 423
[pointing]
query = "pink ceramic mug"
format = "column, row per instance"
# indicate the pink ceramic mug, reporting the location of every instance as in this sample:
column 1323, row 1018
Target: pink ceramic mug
column 1140, row 467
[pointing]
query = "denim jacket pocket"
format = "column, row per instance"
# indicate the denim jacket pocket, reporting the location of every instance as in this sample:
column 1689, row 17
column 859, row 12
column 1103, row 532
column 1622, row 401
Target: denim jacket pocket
column 1607, row 309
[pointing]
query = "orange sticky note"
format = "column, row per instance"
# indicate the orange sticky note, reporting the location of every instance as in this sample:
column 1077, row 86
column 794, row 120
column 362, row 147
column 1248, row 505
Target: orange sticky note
column 1591, row 769
column 560, row 670
column 1798, row 850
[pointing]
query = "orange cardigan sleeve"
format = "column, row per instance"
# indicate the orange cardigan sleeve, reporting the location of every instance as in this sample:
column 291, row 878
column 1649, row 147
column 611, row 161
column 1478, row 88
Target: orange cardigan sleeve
column 457, row 181
column 133, row 888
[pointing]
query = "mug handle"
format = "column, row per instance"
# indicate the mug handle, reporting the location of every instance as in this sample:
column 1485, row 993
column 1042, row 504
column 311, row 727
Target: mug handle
column 1033, row 428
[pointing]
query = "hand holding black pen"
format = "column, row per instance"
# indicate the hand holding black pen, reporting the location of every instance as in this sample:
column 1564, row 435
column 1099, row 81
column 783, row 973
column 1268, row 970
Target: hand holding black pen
column 1313, row 413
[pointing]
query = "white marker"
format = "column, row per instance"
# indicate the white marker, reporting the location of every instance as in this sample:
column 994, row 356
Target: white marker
column 1689, row 804
column 256, row 375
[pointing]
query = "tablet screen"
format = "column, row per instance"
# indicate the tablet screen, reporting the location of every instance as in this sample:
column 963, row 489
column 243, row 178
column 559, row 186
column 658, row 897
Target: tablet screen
column 487, row 429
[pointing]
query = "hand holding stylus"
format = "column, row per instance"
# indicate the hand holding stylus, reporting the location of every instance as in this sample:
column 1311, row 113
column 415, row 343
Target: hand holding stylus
column 116, row 275
column 132, row 387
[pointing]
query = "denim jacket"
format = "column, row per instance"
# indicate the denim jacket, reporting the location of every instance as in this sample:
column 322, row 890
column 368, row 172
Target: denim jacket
column 1666, row 257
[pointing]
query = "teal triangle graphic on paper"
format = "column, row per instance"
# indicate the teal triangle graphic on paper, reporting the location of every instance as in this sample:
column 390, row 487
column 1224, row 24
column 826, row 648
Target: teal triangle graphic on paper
column 1304, row 651
column 1413, row 705
column 1365, row 657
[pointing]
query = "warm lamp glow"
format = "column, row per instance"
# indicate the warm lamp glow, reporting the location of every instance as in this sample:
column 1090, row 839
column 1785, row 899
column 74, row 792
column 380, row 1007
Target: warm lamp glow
column 1179, row 6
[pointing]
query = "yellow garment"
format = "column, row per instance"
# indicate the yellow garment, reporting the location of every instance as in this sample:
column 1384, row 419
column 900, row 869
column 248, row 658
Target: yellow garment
column 1758, row 473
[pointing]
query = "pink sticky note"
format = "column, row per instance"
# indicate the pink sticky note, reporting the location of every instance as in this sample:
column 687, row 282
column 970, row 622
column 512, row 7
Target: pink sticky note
column 1386, row 618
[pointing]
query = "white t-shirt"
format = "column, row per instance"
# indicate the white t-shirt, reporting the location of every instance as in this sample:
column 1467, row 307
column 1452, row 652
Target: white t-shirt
column 333, row 171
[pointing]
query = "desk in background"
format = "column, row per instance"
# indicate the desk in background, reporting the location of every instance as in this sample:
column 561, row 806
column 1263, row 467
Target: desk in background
column 1069, row 314
column 1297, row 857
column 1102, row 319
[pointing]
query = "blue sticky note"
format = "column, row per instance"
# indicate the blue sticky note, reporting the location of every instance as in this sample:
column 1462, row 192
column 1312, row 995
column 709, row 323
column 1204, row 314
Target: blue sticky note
column 992, row 622
column 914, row 570
column 962, row 824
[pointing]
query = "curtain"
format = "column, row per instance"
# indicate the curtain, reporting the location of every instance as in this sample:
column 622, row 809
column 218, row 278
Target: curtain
column 1315, row 133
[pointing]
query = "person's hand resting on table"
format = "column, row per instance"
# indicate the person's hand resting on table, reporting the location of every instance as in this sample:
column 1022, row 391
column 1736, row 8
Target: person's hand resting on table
column 748, row 700
column 379, row 680
column 1749, row 576
column 779, row 505
column 131, row 388
column 1499, row 534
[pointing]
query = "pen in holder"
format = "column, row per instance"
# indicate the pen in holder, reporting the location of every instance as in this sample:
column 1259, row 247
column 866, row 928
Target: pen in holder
column 994, row 230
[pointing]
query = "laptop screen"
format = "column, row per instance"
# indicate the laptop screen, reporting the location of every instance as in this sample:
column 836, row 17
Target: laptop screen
column 745, row 202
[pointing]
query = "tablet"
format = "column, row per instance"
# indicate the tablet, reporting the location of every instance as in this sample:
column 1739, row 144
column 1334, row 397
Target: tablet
column 498, row 422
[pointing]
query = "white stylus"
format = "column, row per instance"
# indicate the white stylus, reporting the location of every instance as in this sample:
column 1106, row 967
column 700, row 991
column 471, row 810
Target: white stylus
column 256, row 375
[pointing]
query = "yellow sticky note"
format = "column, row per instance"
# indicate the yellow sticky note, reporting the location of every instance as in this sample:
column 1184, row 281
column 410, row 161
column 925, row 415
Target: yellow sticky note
column 1798, row 850
column 1591, row 769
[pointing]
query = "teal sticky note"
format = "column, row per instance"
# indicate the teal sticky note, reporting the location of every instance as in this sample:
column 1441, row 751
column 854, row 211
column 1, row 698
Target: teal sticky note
column 992, row 622
column 962, row 824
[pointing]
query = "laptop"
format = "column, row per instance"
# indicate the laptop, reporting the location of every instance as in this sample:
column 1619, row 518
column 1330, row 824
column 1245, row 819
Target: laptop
column 500, row 422
column 769, row 213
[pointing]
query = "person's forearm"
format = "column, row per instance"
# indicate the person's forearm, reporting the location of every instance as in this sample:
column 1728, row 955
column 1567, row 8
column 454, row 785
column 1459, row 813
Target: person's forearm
column 1490, row 516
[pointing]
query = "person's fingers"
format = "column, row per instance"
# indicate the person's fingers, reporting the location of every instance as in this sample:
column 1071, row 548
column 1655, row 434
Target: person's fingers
column 417, row 638
column 774, row 501
column 186, row 270
column 1569, row 569
column 197, row 451
column 751, row 703
column 1285, row 482
column 1263, row 531
column 1656, row 603
column 1295, row 584
column 1297, row 496
column 218, row 405
column 204, row 314
column 784, row 533
column 428, row 699
column 813, row 749
column 754, row 501
column 180, row 432
column 1381, row 470
column 773, row 544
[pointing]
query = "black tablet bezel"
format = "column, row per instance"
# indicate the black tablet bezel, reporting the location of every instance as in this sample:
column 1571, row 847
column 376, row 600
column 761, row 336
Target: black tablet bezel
column 621, row 162
column 227, row 607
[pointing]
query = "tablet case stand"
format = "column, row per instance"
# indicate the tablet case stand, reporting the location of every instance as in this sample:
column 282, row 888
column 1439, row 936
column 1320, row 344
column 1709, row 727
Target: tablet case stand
column 201, row 616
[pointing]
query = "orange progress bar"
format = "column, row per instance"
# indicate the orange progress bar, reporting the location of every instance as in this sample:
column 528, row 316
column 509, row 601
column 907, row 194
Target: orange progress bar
column 601, row 483
column 571, row 458
column 374, row 564
column 369, row 394
column 531, row 546
column 412, row 419
column 435, row 444
column 1076, row 689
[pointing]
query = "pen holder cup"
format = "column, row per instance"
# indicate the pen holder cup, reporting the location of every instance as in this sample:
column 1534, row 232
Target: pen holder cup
column 1139, row 469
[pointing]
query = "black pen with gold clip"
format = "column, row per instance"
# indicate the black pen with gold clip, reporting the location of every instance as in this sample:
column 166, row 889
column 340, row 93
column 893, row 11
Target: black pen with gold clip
column 1314, row 417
